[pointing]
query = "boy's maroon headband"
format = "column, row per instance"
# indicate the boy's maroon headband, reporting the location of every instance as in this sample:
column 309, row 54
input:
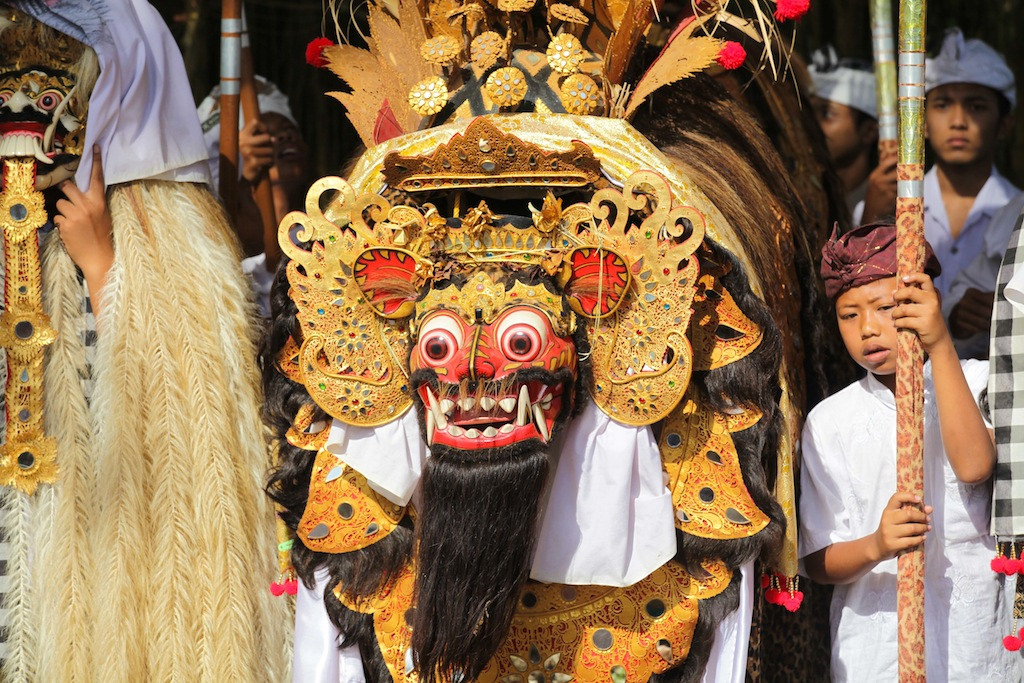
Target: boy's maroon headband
column 863, row 255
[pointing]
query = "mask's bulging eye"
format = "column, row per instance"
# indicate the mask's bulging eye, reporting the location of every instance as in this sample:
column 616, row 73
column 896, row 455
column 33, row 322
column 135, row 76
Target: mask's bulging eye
column 49, row 100
column 440, row 337
column 5, row 96
column 523, row 334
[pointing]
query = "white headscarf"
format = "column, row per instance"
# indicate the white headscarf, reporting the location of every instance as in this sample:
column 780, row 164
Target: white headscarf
column 969, row 61
column 140, row 112
column 839, row 81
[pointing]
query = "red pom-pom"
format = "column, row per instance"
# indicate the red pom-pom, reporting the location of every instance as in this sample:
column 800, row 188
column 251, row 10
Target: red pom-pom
column 998, row 564
column 315, row 51
column 276, row 589
column 291, row 586
column 791, row 9
column 766, row 580
column 1011, row 566
column 731, row 56
column 773, row 596
column 792, row 602
column 1011, row 643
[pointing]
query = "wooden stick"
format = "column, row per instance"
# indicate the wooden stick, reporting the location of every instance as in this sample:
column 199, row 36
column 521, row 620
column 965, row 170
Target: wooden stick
column 262, row 192
column 910, row 355
column 230, row 85
column 884, row 48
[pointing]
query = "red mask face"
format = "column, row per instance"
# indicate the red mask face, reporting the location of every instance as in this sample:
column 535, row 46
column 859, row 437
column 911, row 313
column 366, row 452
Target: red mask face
column 499, row 382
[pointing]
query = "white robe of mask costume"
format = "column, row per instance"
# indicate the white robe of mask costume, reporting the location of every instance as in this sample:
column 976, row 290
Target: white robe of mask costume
column 608, row 521
column 150, row 557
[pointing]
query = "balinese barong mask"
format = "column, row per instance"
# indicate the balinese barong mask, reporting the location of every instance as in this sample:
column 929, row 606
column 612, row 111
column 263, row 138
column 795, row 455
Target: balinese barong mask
column 42, row 107
column 523, row 259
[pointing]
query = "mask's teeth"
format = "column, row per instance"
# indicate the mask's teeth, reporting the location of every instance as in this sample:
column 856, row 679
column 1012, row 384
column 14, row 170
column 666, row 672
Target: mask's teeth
column 439, row 417
column 507, row 428
column 523, row 417
column 545, row 403
column 431, row 425
column 455, row 430
column 487, row 403
column 490, row 431
column 36, row 146
column 542, row 425
column 507, row 404
column 472, row 433
column 467, row 403
column 447, row 406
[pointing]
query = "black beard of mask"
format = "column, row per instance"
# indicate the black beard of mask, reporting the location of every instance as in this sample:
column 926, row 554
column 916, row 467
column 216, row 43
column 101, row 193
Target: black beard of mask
column 476, row 532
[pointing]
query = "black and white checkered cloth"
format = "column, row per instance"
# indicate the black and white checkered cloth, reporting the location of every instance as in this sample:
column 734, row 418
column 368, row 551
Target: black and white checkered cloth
column 1006, row 399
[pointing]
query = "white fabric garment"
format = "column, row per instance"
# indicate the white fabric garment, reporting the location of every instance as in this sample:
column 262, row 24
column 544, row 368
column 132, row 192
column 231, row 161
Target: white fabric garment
column 969, row 61
column 140, row 112
column 957, row 253
column 391, row 456
column 981, row 274
column 728, row 660
column 848, row 476
column 317, row 657
column 837, row 81
column 262, row 280
column 609, row 518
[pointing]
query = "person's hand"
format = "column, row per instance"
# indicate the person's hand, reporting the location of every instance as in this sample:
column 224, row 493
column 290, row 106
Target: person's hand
column 918, row 309
column 85, row 225
column 880, row 199
column 972, row 314
column 257, row 148
column 902, row 526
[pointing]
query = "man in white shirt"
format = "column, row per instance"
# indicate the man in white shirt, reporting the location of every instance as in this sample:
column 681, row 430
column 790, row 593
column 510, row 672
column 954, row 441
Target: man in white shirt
column 970, row 95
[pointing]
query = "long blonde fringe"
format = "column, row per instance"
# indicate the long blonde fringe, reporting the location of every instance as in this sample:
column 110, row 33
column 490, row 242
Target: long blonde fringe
column 170, row 514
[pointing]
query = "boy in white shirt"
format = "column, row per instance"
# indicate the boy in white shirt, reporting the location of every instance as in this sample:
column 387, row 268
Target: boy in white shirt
column 854, row 522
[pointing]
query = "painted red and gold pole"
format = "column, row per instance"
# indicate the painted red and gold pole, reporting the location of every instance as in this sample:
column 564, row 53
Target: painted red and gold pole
column 230, row 89
column 910, row 355
column 884, row 48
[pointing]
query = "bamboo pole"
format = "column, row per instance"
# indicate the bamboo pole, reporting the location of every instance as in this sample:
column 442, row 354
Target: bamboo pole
column 884, row 49
column 910, row 355
column 262, row 193
column 230, row 87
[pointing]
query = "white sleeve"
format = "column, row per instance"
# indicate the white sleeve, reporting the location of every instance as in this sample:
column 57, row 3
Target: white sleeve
column 824, row 519
column 858, row 213
column 728, row 660
column 980, row 274
column 976, row 374
column 317, row 658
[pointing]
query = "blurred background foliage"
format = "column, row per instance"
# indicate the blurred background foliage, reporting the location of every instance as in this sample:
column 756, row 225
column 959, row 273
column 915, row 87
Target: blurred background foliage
column 280, row 30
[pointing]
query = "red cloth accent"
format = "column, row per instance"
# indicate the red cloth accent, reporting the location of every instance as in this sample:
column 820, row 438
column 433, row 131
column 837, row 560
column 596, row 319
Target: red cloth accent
column 791, row 9
column 315, row 51
column 386, row 126
column 1011, row 567
column 276, row 589
column 998, row 564
column 731, row 56
column 863, row 255
column 1011, row 643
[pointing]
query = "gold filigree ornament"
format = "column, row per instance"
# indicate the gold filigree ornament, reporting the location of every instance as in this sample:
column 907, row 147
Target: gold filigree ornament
column 342, row 512
column 25, row 464
column 568, row 13
column 351, row 360
column 506, row 87
column 580, row 94
column 440, row 50
column 584, row 634
column 641, row 357
column 704, row 475
column 429, row 96
column 565, row 54
column 516, row 5
column 486, row 49
column 28, row 456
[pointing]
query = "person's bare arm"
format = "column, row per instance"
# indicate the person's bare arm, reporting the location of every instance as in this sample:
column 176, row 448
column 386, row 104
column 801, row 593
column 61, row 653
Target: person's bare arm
column 969, row 447
column 900, row 528
column 86, row 228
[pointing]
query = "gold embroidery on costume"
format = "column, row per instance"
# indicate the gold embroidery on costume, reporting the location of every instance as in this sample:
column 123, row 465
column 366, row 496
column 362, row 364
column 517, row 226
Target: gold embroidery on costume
column 343, row 513
column 720, row 332
column 569, row 633
column 28, row 457
column 708, row 492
